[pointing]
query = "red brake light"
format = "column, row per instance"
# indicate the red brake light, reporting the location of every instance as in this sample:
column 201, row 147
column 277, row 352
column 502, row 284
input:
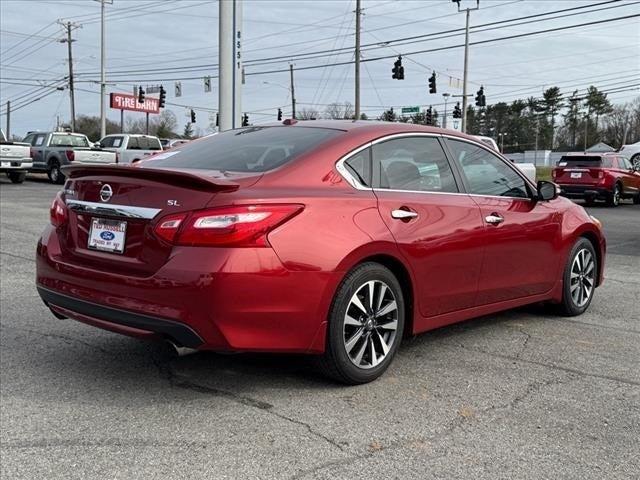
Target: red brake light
column 58, row 211
column 237, row 226
column 70, row 155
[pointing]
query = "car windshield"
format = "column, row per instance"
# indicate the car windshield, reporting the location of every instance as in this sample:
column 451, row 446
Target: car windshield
column 254, row 149
column 67, row 140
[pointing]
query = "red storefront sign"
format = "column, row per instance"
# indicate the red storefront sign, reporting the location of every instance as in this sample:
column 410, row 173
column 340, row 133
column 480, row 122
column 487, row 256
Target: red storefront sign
column 123, row 101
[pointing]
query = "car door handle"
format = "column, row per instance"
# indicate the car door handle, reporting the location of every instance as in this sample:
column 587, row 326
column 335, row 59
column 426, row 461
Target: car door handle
column 494, row 219
column 403, row 214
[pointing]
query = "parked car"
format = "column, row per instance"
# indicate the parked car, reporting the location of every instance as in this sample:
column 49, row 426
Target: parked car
column 169, row 143
column 632, row 152
column 131, row 148
column 336, row 247
column 50, row 151
column 15, row 159
column 603, row 176
column 529, row 169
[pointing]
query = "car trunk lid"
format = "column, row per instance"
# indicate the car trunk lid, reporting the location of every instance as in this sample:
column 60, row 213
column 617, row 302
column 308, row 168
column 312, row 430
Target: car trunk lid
column 128, row 202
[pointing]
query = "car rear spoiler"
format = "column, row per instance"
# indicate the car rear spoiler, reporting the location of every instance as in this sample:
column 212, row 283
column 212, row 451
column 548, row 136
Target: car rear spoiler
column 178, row 178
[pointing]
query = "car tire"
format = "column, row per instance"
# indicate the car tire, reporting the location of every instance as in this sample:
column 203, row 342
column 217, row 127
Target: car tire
column 590, row 201
column 636, row 199
column 635, row 159
column 615, row 196
column 17, row 177
column 579, row 278
column 361, row 343
column 55, row 174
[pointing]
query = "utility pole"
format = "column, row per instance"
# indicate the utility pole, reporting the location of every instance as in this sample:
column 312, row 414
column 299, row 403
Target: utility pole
column 357, row 76
column 69, row 27
column 293, row 93
column 466, row 62
column 103, row 115
column 446, row 99
column 230, row 69
column 8, row 132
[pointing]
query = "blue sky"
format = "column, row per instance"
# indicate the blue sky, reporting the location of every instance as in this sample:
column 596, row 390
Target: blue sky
column 180, row 37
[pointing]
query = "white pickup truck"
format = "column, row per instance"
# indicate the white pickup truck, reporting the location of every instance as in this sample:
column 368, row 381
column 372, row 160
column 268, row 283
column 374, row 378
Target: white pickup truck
column 131, row 148
column 529, row 169
column 52, row 150
column 15, row 159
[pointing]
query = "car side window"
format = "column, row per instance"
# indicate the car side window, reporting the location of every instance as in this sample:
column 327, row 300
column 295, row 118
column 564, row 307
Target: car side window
column 106, row 142
column 486, row 173
column 359, row 166
column 133, row 144
column 38, row 140
column 413, row 163
column 28, row 139
column 624, row 163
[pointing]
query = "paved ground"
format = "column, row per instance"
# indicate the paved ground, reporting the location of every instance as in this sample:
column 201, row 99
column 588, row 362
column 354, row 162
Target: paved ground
column 523, row 394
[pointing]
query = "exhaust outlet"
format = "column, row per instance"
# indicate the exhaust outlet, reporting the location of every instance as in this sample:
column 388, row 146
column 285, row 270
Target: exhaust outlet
column 182, row 351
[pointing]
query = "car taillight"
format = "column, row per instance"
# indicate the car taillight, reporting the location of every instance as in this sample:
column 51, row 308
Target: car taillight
column 58, row 211
column 237, row 226
column 70, row 155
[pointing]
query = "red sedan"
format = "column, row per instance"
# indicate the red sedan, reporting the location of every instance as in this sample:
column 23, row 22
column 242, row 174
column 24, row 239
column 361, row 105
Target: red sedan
column 328, row 238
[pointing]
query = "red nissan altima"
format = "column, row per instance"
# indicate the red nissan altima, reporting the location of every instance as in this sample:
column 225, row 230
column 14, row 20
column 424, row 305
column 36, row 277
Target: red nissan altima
column 329, row 238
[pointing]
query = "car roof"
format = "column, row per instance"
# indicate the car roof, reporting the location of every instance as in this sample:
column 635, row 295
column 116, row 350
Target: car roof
column 372, row 127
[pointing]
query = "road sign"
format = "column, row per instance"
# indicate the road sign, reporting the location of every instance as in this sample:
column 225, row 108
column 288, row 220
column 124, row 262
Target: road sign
column 410, row 109
column 207, row 84
column 124, row 101
column 178, row 89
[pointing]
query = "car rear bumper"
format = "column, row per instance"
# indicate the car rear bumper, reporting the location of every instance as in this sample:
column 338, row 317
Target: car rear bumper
column 225, row 300
column 584, row 191
column 15, row 165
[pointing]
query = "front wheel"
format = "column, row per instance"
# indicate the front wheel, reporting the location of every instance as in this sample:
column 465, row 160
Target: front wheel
column 54, row 173
column 580, row 277
column 17, row 177
column 365, row 327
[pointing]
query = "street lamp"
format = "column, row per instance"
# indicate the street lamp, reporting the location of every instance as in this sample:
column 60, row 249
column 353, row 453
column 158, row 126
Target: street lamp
column 446, row 99
column 501, row 136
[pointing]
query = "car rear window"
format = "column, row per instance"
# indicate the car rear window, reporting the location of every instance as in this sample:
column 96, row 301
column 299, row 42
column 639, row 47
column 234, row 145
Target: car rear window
column 588, row 161
column 144, row 143
column 66, row 140
column 253, row 149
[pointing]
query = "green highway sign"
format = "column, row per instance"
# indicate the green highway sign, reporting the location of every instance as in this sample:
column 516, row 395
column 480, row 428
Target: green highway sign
column 410, row 109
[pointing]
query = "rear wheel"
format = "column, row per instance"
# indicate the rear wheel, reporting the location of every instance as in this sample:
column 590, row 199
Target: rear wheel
column 615, row 196
column 366, row 322
column 17, row 177
column 580, row 277
column 54, row 173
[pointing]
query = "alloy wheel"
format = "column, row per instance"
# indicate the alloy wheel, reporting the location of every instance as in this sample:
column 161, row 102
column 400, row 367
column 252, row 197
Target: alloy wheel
column 582, row 278
column 370, row 324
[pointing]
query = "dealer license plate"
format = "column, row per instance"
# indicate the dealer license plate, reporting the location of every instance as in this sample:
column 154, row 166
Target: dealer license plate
column 107, row 235
column 576, row 175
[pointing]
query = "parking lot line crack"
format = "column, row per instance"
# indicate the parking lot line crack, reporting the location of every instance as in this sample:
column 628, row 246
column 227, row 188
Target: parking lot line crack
column 179, row 381
column 527, row 337
column 18, row 256
column 65, row 338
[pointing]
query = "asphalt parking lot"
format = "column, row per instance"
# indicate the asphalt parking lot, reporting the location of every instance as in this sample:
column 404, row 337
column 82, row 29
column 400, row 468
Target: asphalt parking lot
column 519, row 395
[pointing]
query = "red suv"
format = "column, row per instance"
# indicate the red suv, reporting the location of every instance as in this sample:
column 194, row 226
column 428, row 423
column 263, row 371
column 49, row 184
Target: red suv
column 603, row 176
column 328, row 238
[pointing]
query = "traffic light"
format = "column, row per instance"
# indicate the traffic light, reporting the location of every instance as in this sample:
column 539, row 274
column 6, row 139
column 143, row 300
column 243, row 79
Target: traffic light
column 140, row 95
column 279, row 114
column 398, row 70
column 163, row 97
column 481, row 100
column 245, row 120
column 193, row 116
column 429, row 116
column 432, row 83
column 457, row 112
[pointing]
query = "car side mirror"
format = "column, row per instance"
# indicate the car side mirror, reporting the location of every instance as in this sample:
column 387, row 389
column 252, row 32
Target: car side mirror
column 547, row 191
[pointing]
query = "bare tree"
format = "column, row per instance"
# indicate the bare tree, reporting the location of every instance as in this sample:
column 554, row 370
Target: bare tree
column 339, row 111
column 307, row 114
